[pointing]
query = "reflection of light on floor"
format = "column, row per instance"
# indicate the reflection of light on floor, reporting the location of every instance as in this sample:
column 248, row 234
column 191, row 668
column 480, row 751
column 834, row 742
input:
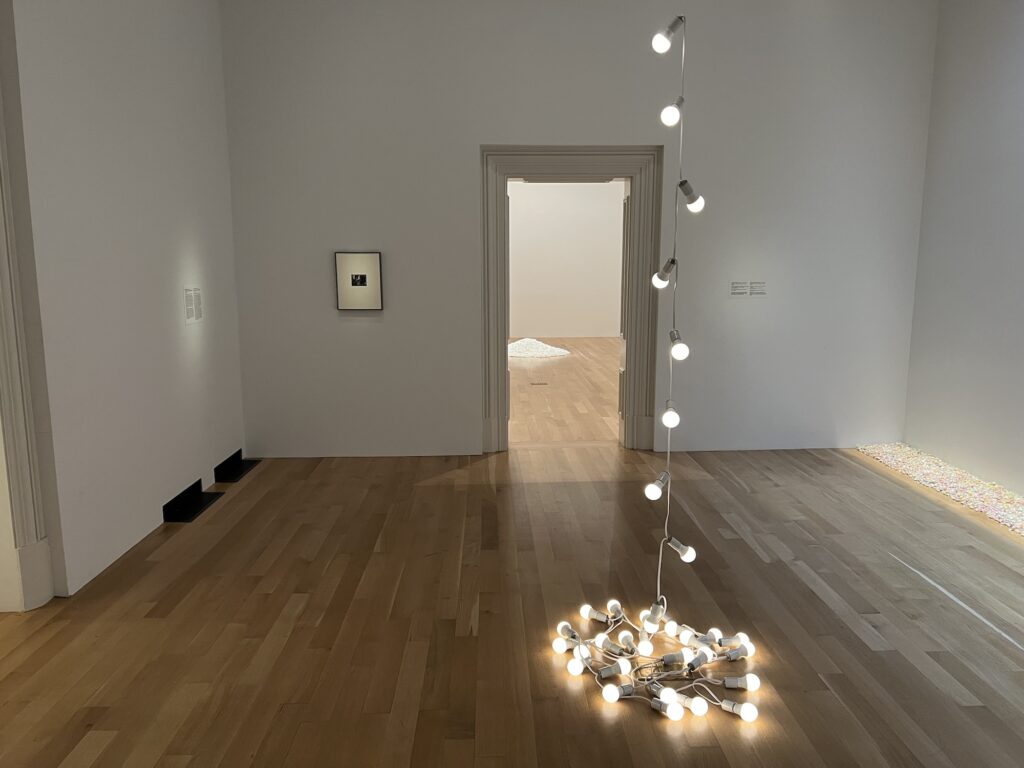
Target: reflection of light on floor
column 960, row 602
column 1001, row 504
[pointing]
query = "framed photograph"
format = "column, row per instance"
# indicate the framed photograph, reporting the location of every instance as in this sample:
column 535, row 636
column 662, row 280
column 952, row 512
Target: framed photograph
column 358, row 275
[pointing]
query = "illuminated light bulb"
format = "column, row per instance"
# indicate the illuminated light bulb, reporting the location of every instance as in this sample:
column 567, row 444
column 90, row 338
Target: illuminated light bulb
column 686, row 635
column 581, row 652
column 673, row 710
column 660, row 278
column 746, row 710
column 620, row 667
column 671, row 114
column 679, row 350
column 695, row 704
column 686, row 553
column 671, row 627
column 565, row 629
column 668, row 695
column 654, row 489
column 694, row 202
column 575, row 667
column 587, row 611
column 670, row 418
column 652, row 622
column 703, row 655
column 662, row 40
column 613, row 693
column 659, row 691
column 645, row 647
column 560, row 645
column 614, row 608
column 684, row 656
column 605, row 643
column 743, row 651
column 748, row 682
column 712, row 636
column 738, row 639
column 626, row 641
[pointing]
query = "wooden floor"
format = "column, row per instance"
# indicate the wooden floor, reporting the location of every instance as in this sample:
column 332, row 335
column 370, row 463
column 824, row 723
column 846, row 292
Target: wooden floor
column 399, row 611
column 566, row 399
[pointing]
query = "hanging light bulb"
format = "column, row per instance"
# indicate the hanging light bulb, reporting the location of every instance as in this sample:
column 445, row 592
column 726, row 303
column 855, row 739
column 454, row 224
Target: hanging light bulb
column 660, row 278
column 746, row 710
column 671, row 114
column 662, row 40
column 589, row 612
column 620, row 667
column 694, row 202
column 679, row 349
column 695, row 704
column 686, row 554
column 743, row 651
column 748, row 682
column 654, row 489
column 673, row 711
column 670, row 418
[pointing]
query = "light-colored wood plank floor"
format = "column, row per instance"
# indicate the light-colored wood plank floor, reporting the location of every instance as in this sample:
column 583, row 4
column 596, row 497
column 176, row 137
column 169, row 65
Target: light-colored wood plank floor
column 566, row 399
column 399, row 611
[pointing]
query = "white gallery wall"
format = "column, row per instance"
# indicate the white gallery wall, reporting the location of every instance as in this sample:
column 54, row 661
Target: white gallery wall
column 565, row 259
column 967, row 355
column 358, row 125
column 126, row 151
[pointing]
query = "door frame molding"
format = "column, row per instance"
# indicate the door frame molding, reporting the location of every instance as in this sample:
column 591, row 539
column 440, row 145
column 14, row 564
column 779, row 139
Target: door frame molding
column 641, row 166
column 15, row 387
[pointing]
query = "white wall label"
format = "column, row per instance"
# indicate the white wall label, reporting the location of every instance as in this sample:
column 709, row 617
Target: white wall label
column 193, row 306
column 742, row 289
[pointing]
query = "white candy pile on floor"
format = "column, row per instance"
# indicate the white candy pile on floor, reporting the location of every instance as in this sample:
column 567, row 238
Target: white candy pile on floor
column 533, row 348
column 1001, row 504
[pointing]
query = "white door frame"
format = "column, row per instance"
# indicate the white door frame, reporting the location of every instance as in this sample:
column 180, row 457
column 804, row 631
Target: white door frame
column 641, row 167
column 18, row 425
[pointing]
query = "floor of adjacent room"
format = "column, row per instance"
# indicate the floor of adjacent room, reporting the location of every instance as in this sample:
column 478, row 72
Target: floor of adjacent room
column 566, row 399
column 400, row 610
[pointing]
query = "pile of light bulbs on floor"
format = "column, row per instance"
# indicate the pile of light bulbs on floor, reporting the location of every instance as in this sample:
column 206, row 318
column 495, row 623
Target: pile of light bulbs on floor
column 622, row 656
column 671, row 681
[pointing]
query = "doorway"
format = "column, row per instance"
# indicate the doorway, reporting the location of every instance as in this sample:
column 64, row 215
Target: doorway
column 565, row 310
column 640, row 169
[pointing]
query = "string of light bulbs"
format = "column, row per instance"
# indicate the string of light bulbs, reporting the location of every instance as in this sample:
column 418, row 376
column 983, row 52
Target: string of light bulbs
column 671, row 678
